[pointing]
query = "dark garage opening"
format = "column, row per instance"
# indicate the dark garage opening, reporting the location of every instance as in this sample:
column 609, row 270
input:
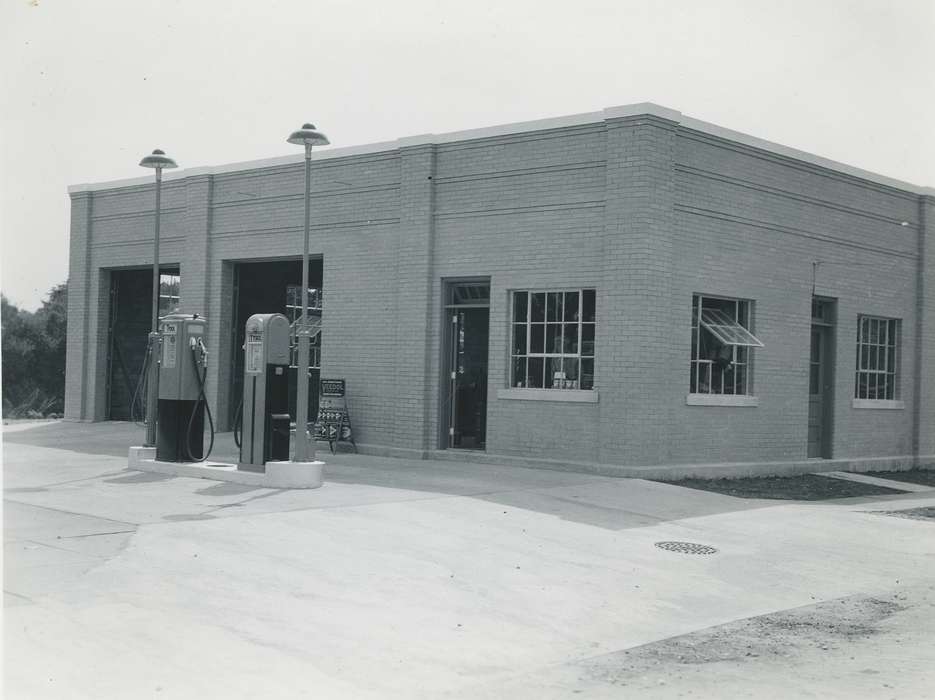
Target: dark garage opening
column 274, row 287
column 131, row 307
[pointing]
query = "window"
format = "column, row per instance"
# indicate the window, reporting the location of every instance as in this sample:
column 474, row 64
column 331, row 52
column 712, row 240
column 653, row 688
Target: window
column 877, row 358
column 294, row 314
column 552, row 338
column 168, row 292
column 721, row 346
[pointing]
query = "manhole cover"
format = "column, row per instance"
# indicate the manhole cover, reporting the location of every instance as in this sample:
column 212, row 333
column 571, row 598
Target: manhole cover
column 686, row 547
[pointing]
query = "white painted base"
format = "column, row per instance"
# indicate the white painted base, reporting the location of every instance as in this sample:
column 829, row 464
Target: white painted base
column 279, row 475
column 295, row 475
column 138, row 454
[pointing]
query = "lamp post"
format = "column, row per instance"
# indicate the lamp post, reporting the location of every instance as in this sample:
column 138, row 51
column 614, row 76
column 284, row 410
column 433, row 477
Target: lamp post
column 158, row 160
column 307, row 136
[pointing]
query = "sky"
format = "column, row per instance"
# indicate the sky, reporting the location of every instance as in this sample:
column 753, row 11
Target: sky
column 88, row 88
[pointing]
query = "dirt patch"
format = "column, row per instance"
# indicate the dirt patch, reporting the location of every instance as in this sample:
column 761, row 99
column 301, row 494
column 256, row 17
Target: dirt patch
column 925, row 477
column 777, row 635
column 805, row 487
column 926, row 513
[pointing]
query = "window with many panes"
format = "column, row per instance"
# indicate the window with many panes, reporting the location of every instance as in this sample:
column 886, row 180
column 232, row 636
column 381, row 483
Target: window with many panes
column 721, row 346
column 877, row 358
column 552, row 338
column 294, row 314
column 168, row 292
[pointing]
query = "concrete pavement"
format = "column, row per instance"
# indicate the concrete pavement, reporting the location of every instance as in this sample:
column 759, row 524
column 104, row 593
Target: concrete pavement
column 418, row 579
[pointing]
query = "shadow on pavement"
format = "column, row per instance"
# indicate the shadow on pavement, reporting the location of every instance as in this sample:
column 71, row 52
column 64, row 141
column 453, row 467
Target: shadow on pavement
column 600, row 501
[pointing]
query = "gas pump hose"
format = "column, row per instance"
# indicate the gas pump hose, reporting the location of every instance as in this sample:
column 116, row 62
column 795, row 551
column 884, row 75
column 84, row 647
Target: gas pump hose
column 238, row 424
column 137, row 400
column 201, row 399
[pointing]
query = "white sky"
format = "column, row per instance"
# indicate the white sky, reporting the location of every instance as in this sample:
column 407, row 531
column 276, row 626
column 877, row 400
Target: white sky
column 90, row 86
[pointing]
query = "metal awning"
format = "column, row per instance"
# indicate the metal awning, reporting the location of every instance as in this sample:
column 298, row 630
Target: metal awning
column 727, row 330
column 312, row 327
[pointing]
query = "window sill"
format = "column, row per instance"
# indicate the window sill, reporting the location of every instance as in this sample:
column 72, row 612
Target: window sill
column 721, row 400
column 878, row 403
column 567, row 395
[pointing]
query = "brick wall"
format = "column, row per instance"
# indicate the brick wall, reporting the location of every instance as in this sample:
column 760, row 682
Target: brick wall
column 644, row 210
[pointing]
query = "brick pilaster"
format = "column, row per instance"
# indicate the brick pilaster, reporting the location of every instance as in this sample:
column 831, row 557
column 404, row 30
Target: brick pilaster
column 924, row 418
column 634, row 304
column 414, row 394
column 76, row 346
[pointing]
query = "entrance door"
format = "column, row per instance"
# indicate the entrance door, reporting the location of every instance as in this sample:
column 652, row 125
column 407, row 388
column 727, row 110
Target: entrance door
column 469, row 321
column 821, row 380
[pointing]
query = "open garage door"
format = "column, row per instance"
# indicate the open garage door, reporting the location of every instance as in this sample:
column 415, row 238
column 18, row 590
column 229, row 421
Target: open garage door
column 130, row 316
column 274, row 287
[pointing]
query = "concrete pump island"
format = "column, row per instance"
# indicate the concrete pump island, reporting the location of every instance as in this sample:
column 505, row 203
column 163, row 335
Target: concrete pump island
column 628, row 292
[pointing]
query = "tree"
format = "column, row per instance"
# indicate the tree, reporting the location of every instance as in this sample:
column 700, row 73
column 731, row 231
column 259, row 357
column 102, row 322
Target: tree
column 33, row 348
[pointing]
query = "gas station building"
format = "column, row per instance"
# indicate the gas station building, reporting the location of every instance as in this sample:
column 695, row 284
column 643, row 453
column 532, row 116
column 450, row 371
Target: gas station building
column 604, row 291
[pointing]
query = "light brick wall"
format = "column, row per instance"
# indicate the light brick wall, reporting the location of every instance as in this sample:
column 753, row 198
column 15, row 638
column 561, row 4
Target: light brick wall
column 526, row 212
column 750, row 225
column 645, row 211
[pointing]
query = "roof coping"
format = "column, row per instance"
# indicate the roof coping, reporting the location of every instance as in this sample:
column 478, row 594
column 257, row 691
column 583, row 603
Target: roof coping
column 618, row 112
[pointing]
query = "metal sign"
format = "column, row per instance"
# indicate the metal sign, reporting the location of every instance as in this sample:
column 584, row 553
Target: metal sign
column 333, row 423
column 253, row 352
column 331, row 387
column 170, row 346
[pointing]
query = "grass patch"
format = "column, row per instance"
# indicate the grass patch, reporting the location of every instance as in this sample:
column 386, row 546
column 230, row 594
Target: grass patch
column 926, row 477
column 926, row 513
column 805, row 487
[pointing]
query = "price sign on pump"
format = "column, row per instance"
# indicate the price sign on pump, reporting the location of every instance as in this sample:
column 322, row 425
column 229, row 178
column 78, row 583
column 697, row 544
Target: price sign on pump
column 170, row 346
column 254, row 352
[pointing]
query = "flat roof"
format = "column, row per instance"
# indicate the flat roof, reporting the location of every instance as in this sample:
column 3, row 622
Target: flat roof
column 642, row 108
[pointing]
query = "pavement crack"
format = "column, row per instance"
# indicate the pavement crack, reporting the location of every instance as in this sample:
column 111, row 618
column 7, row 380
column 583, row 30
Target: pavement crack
column 97, row 534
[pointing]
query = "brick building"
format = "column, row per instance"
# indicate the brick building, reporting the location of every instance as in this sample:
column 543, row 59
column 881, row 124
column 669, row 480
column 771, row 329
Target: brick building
column 617, row 289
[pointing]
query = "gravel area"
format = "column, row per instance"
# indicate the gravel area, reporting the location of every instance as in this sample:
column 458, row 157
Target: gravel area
column 806, row 487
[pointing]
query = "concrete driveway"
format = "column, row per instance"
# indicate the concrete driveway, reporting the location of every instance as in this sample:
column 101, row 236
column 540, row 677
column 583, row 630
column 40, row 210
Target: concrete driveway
column 408, row 579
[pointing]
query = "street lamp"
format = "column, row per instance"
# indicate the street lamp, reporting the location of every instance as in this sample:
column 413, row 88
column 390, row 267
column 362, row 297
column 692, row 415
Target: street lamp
column 158, row 160
column 307, row 136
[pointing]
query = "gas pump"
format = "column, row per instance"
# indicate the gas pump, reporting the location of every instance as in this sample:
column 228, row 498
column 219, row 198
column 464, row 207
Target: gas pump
column 182, row 402
column 265, row 410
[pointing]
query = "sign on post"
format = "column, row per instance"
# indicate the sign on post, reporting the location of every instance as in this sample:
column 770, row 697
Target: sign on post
column 333, row 423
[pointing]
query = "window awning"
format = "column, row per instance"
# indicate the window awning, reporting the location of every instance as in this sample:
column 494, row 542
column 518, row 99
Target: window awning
column 727, row 330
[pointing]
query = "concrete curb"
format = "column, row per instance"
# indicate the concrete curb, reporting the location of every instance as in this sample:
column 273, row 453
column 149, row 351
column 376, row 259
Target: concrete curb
column 278, row 475
column 676, row 472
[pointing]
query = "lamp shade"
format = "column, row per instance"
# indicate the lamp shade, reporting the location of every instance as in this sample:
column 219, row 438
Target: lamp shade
column 158, row 159
column 308, row 135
